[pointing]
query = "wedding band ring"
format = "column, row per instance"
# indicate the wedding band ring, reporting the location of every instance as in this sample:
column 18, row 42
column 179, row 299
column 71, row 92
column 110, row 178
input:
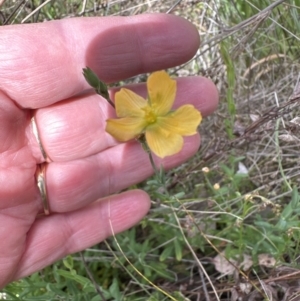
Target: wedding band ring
column 41, row 184
column 37, row 136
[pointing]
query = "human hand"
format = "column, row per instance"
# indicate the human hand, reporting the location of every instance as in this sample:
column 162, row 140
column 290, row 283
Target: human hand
column 41, row 76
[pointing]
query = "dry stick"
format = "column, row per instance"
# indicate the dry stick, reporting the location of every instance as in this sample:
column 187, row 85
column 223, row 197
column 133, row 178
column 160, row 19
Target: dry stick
column 97, row 287
column 284, row 277
column 172, row 8
column 204, row 286
column 36, row 17
column 83, row 7
column 34, row 11
column 13, row 12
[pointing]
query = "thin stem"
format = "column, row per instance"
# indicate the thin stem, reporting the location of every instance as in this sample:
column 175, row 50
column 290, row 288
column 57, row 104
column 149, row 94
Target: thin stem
column 96, row 286
column 152, row 162
column 110, row 102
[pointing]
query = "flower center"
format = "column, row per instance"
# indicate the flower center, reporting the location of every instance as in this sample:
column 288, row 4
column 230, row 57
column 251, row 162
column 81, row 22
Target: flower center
column 149, row 116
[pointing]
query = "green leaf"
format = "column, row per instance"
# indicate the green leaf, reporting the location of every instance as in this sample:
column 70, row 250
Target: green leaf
column 166, row 253
column 91, row 78
column 115, row 290
column 179, row 195
column 282, row 224
column 68, row 262
column 295, row 198
column 267, row 226
column 161, row 270
column 178, row 250
column 99, row 86
column 80, row 279
column 292, row 206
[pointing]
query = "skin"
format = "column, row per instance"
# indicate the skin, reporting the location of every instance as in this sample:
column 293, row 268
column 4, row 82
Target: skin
column 41, row 75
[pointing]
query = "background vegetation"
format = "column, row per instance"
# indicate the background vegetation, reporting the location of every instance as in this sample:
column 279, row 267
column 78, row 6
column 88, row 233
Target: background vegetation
column 228, row 228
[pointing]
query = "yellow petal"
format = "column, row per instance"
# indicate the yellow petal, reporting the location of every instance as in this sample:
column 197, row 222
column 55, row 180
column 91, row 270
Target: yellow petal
column 129, row 103
column 184, row 121
column 125, row 129
column 163, row 143
column 161, row 92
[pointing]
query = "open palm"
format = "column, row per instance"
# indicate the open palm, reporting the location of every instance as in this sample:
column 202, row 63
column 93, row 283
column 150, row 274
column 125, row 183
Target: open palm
column 41, row 76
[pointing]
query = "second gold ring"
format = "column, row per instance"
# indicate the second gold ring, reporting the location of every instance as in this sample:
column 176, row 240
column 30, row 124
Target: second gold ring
column 41, row 184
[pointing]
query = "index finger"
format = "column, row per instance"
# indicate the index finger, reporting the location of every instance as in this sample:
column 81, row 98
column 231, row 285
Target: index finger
column 44, row 63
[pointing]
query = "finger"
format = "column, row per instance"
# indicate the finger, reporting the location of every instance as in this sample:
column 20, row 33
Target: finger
column 76, row 128
column 75, row 184
column 37, row 72
column 58, row 235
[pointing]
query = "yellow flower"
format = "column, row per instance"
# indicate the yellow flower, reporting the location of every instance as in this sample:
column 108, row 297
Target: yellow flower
column 162, row 127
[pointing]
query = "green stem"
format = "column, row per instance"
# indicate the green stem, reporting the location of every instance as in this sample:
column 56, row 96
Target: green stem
column 110, row 102
column 152, row 162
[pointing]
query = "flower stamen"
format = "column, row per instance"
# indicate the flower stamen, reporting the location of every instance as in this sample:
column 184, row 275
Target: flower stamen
column 150, row 116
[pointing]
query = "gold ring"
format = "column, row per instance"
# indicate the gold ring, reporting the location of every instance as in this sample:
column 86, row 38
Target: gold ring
column 37, row 136
column 40, row 176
